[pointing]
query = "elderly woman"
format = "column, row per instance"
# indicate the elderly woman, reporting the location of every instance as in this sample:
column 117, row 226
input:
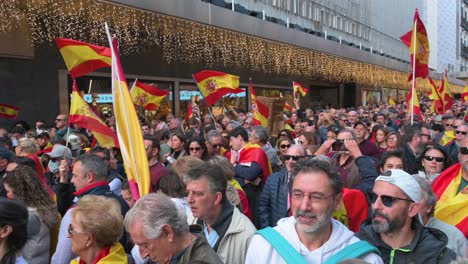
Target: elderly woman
column 13, row 223
column 95, row 230
column 23, row 184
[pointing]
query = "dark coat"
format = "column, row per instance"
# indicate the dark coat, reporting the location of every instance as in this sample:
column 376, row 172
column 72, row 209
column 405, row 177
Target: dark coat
column 273, row 203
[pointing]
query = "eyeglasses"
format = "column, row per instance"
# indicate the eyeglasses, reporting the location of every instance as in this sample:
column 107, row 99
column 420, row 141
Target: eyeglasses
column 285, row 146
column 449, row 125
column 391, row 139
column 313, row 197
column 59, row 120
column 70, row 230
column 455, row 127
column 387, row 200
column 295, row 158
column 461, row 132
column 283, row 135
column 438, row 159
column 56, row 159
column 216, row 146
column 195, row 149
column 425, row 135
column 464, row 150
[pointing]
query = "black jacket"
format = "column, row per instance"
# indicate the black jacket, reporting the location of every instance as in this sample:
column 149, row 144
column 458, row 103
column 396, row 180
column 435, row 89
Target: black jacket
column 428, row 246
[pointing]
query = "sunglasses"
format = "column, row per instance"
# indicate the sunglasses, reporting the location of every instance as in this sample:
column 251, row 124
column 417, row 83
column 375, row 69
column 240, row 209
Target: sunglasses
column 438, row 159
column 283, row 135
column 216, row 146
column 461, row 132
column 295, row 158
column 59, row 120
column 464, row 150
column 455, row 127
column 285, row 146
column 387, row 200
column 448, row 125
column 195, row 149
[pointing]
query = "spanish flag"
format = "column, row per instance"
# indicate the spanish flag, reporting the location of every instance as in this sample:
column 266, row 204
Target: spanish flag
column 418, row 42
column 445, row 94
column 128, row 129
column 413, row 103
column 297, row 88
column 447, row 138
column 287, row 107
column 452, row 206
column 189, row 112
column 260, row 111
column 9, row 111
column 434, row 95
column 254, row 153
column 391, row 101
column 214, row 85
column 82, row 115
column 464, row 95
column 147, row 95
column 353, row 210
column 82, row 58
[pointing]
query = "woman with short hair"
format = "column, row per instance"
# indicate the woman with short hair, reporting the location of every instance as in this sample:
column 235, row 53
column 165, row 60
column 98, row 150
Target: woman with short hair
column 95, row 230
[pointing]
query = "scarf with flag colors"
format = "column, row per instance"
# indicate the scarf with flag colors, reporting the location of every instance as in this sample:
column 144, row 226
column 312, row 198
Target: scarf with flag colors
column 297, row 88
column 147, row 95
column 260, row 111
column 214, row 85
column 82, row 115
column 447, row 138
column 254, row 153
column 413, row 104
column 82, row 58
column 128, row 128
column 9, row 111
column 114, row 254
column 353, row 210
column 452, row 206
column 418, row 43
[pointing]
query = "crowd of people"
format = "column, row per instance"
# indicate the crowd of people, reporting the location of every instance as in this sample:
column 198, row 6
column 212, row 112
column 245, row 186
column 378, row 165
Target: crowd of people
column 350, row 185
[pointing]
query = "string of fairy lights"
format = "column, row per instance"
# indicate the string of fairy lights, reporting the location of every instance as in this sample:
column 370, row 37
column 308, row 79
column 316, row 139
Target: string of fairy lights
column 183, row 41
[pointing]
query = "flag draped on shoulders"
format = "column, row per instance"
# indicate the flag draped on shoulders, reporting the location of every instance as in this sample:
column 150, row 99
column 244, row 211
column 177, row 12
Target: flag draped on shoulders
column 260, row 111
column 254, row 153
column 9, row 111
column 418, row 42
column 353, row 210
column 214, row 85
column 297, row 88
column 82, row 58
column 128, row 129
column 452, row 206
column 147, row 96
column 82, row 115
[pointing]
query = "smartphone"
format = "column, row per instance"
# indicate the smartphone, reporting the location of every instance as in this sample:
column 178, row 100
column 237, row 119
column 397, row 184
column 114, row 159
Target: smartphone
column 339, row 145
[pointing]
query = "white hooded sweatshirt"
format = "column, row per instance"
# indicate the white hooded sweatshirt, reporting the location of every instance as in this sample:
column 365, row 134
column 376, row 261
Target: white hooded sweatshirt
column 261, row 251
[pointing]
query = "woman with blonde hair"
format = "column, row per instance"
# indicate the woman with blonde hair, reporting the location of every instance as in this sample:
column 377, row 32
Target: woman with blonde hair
column 95, row 230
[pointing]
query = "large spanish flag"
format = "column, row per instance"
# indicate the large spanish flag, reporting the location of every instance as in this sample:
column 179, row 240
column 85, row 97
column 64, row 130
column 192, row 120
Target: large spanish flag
column 418, row 42
column 260, row 111
column 452, row 206
column 82, row 115
column 297, row 88
column 214, row 85
column 128, row 129
column 254, row 153
column 82, row 58
column 147, row 95
column 413, row 103
column 9, row 111
column 464, row 95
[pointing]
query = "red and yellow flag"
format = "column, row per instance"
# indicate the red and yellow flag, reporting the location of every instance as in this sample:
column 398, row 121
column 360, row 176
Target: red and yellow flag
column 214, row 85
column 391, row 101
column 464, row 95
column 447, row 138
column 254, row 153
column 297, row 88
column 189, row 111
column 287, row 107
column 445, row 94
column 82, row 115
column 413, row 103
column 437, row 102
column 82, row 58
column 9, row 111
column 418, row 42
column 147, row 95
column 260, row 111
column 128, row 129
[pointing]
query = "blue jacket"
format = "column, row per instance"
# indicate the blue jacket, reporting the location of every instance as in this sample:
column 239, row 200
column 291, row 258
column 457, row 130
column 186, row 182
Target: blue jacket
column 368, row 171
column 273, row 203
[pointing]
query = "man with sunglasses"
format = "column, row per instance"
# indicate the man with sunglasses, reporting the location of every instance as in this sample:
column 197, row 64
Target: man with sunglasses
column 61, row 123
column 274, row 200
column 394, row 227
column 451, row 188
column 461, row 130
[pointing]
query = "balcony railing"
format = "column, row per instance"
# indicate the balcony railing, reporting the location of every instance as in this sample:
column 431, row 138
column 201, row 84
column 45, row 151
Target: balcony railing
column 464, row 22
column 464, row 51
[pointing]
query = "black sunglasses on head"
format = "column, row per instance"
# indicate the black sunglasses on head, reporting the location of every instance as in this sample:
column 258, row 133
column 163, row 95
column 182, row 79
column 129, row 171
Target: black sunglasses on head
column 387, row 200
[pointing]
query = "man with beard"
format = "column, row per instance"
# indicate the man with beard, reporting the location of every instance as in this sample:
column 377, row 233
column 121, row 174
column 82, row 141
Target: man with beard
column 413, row 145
column 394, row 227
column 451, row 188
column 313, row 235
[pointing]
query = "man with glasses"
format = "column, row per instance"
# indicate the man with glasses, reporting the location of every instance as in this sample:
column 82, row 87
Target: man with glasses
column 274, row 201
column 394, row 227
column 461, row 130
column 451, row 188
column 61, row 123
column 311, row 234
column 214, row 144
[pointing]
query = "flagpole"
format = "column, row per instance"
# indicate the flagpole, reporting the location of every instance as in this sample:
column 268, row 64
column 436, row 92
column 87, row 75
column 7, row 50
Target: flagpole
column 114, row 66
column 413, row 87
column 207, row 106
column 68, row 129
